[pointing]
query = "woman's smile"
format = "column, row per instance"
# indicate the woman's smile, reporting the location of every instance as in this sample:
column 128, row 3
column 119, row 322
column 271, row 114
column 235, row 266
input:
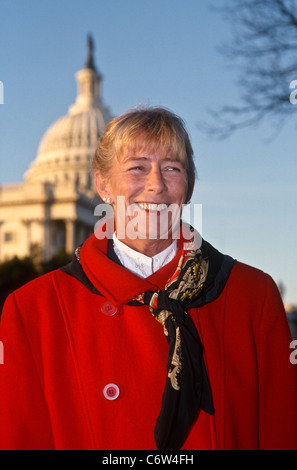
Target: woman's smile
column 152, row 206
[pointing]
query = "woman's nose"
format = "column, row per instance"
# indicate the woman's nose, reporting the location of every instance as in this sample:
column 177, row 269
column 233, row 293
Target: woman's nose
column 155, row 181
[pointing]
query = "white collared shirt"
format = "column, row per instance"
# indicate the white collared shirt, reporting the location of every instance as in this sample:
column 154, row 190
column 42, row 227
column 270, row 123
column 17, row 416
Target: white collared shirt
column 140, row 264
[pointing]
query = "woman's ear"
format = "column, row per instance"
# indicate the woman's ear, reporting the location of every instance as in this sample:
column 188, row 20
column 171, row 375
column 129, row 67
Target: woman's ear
column 103, row 187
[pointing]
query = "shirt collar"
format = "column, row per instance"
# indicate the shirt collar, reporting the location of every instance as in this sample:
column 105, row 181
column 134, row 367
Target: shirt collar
column 138, row 262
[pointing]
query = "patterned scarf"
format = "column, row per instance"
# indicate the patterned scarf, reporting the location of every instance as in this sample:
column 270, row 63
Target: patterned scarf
column 187, row 388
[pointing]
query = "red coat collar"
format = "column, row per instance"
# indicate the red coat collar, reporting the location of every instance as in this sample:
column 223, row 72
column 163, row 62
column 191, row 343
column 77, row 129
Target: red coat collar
column 114, row 281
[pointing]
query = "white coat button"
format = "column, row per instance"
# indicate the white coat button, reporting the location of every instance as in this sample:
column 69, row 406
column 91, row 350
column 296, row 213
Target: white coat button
column 111, row 391
column 109, row 309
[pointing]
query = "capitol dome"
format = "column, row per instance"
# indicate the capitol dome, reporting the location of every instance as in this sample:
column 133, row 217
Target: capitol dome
column 66, row 149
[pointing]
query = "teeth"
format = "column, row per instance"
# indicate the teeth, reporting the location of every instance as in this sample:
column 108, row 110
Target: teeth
column 152, row 207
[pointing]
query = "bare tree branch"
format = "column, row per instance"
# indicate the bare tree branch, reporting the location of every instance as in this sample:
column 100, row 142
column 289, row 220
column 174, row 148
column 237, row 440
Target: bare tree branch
column 264, row 46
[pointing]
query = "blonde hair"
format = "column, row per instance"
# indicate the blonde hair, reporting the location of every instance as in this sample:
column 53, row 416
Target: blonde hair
column 142, row 128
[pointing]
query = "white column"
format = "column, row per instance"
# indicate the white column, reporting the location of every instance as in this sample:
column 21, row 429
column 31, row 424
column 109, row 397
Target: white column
column 27, row 224
column 46, row 238
column 70, row 236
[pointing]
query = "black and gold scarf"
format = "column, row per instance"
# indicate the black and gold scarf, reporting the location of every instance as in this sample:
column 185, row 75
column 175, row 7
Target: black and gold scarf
column 187, row 388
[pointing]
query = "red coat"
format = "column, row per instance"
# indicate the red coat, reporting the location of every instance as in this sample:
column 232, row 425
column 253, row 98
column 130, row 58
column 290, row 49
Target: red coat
column 61, row 349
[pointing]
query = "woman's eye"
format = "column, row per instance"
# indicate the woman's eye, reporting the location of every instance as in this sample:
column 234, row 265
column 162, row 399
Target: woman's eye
column 137, row 168
column 172, row 168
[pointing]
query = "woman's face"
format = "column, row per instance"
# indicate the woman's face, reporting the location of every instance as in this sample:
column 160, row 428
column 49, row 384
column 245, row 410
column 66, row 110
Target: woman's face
column 147, row 190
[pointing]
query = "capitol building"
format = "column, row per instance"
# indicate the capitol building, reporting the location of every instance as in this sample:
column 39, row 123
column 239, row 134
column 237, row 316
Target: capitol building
column 53, row 207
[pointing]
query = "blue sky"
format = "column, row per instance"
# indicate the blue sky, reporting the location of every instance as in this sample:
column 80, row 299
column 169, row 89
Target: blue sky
column 156, row 52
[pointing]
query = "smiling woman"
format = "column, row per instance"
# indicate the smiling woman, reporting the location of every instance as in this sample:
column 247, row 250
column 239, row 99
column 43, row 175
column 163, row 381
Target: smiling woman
column 150, row 163
column 150, row 185
column 87, row 366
